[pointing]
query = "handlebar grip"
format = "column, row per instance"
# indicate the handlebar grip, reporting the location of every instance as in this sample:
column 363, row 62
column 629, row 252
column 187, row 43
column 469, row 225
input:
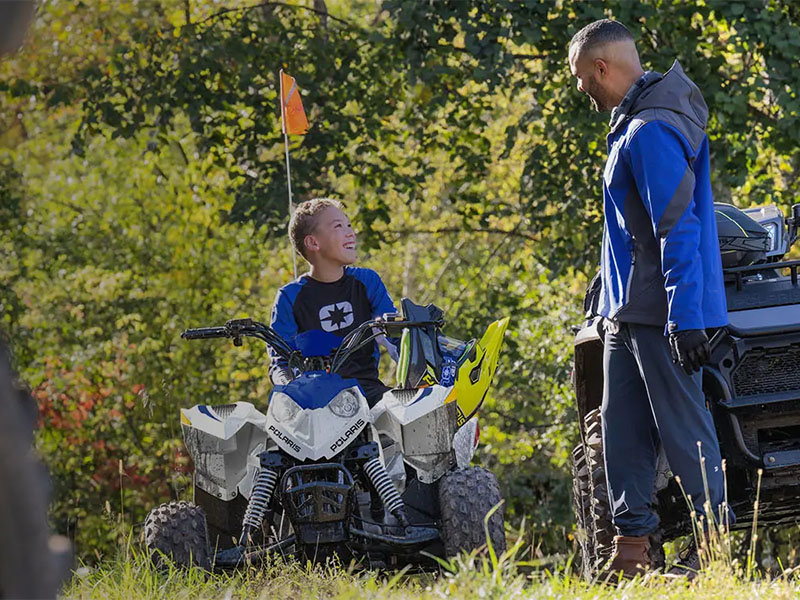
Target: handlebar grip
column 205, row 333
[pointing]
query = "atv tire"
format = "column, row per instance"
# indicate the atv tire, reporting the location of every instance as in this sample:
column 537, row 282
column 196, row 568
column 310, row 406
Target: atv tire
column 582, row 505
column 465, row 498
column 177, row 531
column 602, row 527
column 601, row 546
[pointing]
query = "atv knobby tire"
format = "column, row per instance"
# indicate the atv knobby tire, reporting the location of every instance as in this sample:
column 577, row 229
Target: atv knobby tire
column 177, row 531
column 602, row 527
column 465, row 498
column 594, row 492
column 582, row 505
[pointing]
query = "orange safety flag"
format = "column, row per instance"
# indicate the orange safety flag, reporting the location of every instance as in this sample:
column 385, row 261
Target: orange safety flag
column 293, row 117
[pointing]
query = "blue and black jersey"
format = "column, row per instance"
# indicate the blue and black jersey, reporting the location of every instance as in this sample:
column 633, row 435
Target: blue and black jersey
column 337, row 307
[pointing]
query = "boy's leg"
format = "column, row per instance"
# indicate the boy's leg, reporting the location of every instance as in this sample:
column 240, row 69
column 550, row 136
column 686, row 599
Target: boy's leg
column 630, row 439
column 681, row 416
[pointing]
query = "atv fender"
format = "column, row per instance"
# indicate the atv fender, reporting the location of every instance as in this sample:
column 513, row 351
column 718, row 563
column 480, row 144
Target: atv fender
column 422, row 423
column 475, row 375
column 587, row 374
column 224, row 443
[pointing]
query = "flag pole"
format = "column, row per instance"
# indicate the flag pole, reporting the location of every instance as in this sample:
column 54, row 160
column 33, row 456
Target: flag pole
column 283, row 99
column 291, row 204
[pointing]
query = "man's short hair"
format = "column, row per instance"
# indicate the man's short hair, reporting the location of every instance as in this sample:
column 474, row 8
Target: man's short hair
column 599, row 33
column 304, row 220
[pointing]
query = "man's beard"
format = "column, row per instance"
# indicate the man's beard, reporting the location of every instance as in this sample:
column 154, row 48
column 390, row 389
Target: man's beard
column 597, row 95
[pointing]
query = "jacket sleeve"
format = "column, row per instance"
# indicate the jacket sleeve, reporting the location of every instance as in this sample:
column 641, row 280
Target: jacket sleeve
column 379, row 299
column 661, row 164
column 381, row 303
column 284, row 325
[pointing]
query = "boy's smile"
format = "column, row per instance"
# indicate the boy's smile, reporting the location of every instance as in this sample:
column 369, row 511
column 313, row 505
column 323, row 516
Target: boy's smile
column 332, row 244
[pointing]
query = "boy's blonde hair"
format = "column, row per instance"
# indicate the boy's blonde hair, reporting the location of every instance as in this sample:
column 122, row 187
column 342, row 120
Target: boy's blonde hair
column 304, row 220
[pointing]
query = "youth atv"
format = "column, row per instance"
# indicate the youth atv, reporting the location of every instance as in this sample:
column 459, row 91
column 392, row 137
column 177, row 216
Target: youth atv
column 752, row 387
column 322, row 473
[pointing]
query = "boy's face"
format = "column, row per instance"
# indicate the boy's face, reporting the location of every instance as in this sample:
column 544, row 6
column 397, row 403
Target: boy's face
column 333, row 239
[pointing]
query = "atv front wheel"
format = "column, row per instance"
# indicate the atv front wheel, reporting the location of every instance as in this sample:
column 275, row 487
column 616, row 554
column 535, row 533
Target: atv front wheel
column 177, row 531
column 465, row 497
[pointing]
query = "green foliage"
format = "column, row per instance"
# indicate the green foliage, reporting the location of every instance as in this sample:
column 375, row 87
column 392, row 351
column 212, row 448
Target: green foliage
column 130, row 574
column 142, row 191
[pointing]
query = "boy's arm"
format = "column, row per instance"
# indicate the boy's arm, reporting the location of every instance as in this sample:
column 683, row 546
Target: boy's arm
column 379, row 298
column 381, row 303
column 284, row 325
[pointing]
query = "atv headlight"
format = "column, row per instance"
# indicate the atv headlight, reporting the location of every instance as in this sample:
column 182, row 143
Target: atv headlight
column 283, row 407
column 772, row 234
column 344, row 404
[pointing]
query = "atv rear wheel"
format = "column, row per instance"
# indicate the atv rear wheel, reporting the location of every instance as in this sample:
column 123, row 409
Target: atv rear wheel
column 582, row 505
column 465, row 498
column 601, row 526
column 177, row 531
column 603, row 531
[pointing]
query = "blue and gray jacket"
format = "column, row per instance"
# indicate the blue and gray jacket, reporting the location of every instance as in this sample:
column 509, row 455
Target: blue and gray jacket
column 660, row 261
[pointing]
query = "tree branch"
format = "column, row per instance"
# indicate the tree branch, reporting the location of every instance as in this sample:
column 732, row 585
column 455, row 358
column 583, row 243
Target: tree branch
column 250, row 7
column 490, row 230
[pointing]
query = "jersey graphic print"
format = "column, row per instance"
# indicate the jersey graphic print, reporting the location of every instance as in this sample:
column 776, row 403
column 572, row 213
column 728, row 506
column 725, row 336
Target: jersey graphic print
column 336, row 316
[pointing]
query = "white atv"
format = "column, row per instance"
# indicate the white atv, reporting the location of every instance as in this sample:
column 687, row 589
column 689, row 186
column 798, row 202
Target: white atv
column 322, row 474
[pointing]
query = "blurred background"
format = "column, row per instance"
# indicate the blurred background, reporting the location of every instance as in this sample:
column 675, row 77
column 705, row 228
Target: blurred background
column 143, row 191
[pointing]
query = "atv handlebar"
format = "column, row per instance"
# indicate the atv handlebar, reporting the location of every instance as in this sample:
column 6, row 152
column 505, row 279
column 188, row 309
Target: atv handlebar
column 365, row 333
column 204, row 333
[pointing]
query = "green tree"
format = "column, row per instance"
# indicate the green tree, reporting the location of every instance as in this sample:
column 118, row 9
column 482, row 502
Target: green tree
column 142, row 191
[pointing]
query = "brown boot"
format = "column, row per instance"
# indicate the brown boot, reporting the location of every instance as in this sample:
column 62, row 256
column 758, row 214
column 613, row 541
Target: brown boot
column 629, row 556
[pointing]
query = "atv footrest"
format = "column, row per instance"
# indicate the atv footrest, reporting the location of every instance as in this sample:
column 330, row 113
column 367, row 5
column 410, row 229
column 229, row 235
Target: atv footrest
column 238, row 555
column 415, row 536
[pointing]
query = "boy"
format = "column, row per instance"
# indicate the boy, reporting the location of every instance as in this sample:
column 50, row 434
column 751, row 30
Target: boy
column 333, row 296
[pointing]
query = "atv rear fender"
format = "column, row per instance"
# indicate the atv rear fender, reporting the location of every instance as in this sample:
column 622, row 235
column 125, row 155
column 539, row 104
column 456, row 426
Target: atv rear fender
column 587, row 374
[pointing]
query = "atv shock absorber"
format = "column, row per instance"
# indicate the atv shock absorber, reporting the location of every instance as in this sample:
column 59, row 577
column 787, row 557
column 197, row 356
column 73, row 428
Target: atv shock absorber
column 389, row 495
column 264, row 485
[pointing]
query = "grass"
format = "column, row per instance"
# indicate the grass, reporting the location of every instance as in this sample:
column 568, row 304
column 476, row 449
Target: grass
column 130, row 575
column 487, row 576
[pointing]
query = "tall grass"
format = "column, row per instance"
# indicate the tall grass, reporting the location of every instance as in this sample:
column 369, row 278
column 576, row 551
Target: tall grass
column 130, row 575
column 481, row 574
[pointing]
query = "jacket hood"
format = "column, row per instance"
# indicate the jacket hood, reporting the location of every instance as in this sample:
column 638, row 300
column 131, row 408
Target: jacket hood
column 673, row 91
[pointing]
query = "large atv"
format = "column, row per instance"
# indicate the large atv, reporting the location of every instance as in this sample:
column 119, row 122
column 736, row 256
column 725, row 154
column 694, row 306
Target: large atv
column 752, row 387
column 323, row 474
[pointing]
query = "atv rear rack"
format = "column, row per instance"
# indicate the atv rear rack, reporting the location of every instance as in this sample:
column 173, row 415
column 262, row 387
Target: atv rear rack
column 740, row 272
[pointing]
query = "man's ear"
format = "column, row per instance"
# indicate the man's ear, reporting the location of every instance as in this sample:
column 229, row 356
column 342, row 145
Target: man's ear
column 601, row 67
column 310, row 243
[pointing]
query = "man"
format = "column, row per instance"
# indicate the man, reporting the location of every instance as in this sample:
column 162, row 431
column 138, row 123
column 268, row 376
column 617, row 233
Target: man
column 661, row 285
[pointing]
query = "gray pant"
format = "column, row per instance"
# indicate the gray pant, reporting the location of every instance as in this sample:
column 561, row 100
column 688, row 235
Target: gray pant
column 647, row 401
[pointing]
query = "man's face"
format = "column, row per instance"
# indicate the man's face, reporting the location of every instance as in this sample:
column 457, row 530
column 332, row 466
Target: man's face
column 589, row 75
column 333, row 237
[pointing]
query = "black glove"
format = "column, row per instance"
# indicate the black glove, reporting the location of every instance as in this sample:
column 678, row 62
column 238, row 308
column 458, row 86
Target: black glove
column 689, row 349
